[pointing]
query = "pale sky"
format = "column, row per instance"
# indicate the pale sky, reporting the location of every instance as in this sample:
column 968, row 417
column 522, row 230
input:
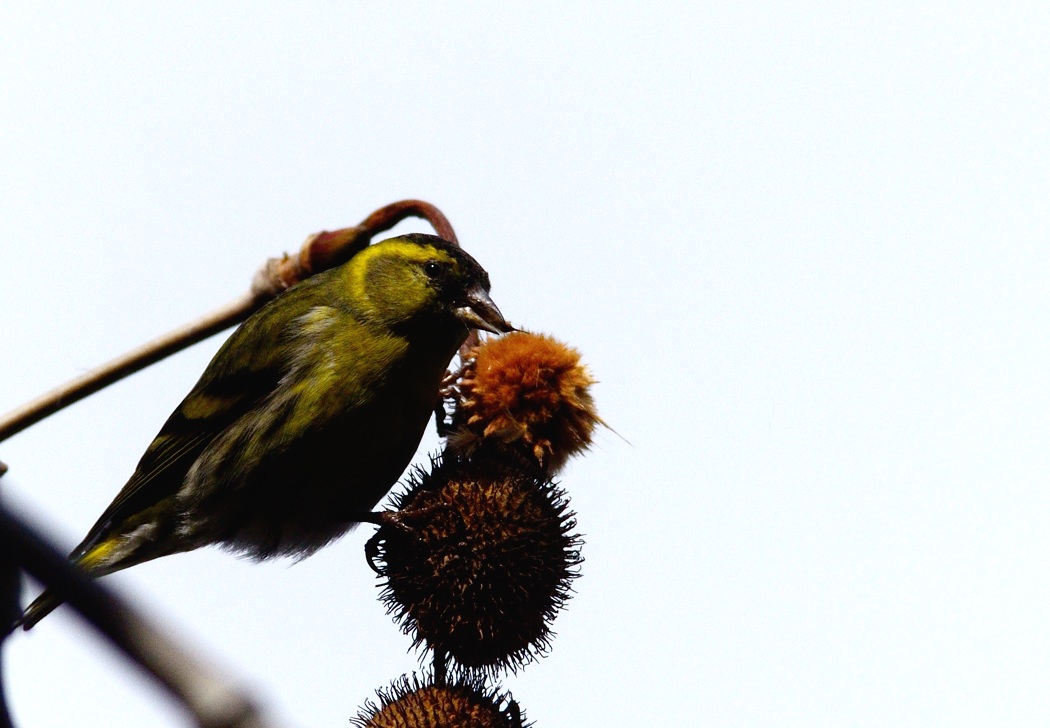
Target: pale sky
column 804, row 249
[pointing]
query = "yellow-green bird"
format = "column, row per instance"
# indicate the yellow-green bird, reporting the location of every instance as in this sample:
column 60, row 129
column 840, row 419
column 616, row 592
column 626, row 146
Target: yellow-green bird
column 306, row 416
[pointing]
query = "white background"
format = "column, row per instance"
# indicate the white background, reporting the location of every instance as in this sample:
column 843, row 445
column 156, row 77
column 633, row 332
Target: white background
column 803, row 247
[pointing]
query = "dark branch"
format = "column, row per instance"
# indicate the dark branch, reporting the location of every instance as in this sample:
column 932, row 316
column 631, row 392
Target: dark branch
column 214, row 700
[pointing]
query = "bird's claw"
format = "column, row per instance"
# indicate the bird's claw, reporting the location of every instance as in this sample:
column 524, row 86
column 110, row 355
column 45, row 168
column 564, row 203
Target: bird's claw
column 372, row 552
column 408, row 520
column 401, row 521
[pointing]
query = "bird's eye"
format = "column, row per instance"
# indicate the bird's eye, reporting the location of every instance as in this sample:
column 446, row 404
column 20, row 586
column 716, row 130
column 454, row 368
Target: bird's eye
column 432, row 269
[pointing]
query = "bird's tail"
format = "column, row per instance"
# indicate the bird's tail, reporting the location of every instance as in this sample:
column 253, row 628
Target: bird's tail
column 42, row 606
column 96, row 560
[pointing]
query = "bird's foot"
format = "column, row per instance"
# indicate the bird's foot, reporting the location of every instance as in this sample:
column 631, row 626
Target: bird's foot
column 372, row 552
column 406, row 521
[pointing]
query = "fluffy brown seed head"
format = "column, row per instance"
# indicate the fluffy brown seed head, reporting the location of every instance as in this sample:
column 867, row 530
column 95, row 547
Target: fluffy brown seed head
column 486, row 565
column 463, row 704
column 526, row 394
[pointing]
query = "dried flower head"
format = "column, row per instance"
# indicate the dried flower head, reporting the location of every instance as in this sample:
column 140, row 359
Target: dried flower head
column 482, row 564
column 527, row 394
column 411, row 703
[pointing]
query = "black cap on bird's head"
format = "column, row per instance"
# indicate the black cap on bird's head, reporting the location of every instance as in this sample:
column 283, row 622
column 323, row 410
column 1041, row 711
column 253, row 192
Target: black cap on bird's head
column 460, row 278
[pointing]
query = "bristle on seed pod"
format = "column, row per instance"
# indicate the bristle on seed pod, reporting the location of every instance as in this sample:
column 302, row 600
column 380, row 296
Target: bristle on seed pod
column 483, row 563
column 466, row 703
column 527, row 394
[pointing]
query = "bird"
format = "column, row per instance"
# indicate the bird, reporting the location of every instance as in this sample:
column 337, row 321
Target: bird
column 306, row 416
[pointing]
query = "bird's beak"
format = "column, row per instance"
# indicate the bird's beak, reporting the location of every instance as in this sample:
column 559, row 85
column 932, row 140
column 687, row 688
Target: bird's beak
column 481, row 313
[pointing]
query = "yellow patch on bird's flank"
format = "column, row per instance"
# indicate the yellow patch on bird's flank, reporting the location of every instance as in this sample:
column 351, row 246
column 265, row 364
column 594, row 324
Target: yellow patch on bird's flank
column 98, row 554
column 203, row 406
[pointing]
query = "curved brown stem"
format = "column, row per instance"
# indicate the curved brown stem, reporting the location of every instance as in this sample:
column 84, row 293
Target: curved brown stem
column 327, row 249
column 386, row 217
column 321, row 251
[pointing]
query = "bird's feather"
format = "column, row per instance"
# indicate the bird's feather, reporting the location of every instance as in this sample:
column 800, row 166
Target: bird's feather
column 228, row 389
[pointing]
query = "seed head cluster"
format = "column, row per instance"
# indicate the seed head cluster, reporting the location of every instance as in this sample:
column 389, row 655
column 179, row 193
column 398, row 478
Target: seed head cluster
column 479, row 552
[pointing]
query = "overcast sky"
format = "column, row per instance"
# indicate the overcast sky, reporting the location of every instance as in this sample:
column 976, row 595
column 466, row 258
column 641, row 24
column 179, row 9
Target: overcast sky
column 804, row 249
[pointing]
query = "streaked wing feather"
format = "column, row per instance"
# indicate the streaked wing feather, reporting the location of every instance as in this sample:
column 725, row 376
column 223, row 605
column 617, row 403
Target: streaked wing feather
column 244, row 372
column 146, row 486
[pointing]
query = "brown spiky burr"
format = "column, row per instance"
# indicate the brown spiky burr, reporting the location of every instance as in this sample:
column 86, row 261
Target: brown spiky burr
column 465, row 703
column 480, row 563
column 527, row 395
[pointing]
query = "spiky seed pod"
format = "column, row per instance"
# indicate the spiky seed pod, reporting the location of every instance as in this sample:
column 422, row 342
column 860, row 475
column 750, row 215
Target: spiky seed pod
column 524, row 393
column 411, row 703
column 484, row 565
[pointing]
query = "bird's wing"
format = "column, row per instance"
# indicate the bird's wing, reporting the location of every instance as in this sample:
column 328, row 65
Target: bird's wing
column 245, row 371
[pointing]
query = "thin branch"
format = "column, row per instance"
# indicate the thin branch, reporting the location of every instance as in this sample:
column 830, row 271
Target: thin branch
column 321, row 251
column 214, row 700
column 131, row 362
